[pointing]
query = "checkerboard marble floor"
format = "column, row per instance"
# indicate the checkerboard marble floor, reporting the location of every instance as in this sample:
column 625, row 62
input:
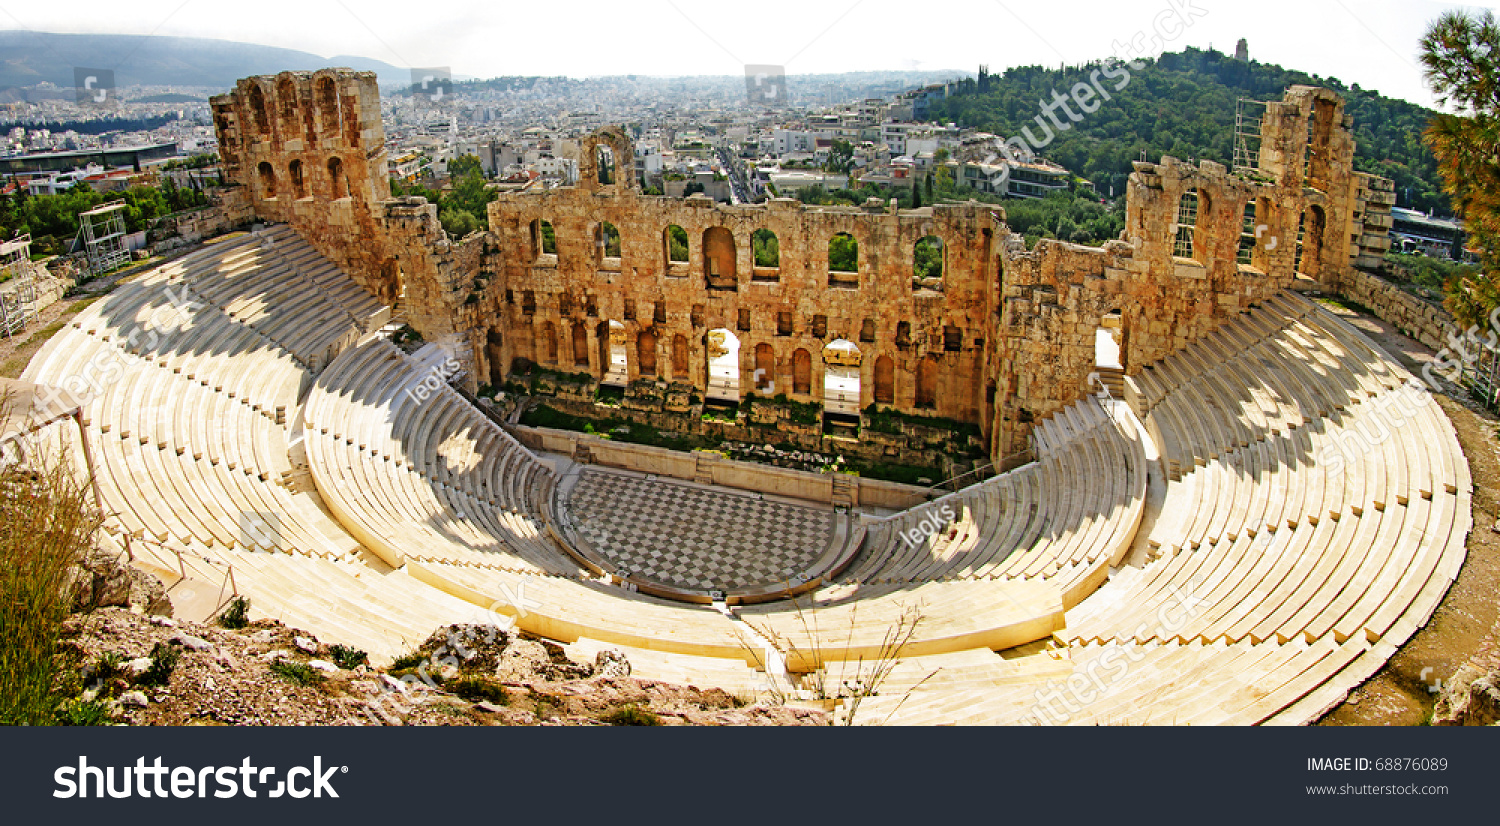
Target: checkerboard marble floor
column 688, row 536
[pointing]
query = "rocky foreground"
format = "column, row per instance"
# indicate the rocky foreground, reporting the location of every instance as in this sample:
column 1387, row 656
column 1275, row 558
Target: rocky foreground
column 131, row 664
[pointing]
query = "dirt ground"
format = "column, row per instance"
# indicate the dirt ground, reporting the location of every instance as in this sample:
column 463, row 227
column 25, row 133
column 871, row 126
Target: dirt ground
column 1465, row 624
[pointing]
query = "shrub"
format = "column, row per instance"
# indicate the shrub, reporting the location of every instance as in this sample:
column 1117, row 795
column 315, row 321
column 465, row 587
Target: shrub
column 295, row 672
column 236, row 615
column 407, row 662
column 163, row 661
column 348, row 657
column 476, row 688
column 48, row 524
column 80, row 712
column 631, row 715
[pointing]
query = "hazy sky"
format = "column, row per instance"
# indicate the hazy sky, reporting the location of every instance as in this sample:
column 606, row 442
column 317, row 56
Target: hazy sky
column 1373, row 44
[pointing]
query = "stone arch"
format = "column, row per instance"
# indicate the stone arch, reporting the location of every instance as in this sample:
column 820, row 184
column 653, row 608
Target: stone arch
column 494, row 349
column 720, row 259
column 801, row 372
column 549, row 343
column 885, row 380
column 766, row 248
column 286, row 104
column 1203, row 230
column 613, row 354
column 580, row 345
column 1312, row 241
column 391, row 282
column 843, row 260
column 606, row 245
column 328, row 107
column 841, row 380
column 927, row 381
column 680, row 357
column 645, row 352
column 298, row 180
column 258, row 110
column 1186, row 223
column 675, row 251
column 338, row 185
column 604, row 164
column 1109, row 352
column 267, row 180
column 765, row 369
column 543, row 239
column 723, row 365
column 927, row 261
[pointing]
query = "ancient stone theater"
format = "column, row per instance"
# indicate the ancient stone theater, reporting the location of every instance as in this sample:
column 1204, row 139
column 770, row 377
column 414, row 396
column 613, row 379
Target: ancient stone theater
column 1167, row 484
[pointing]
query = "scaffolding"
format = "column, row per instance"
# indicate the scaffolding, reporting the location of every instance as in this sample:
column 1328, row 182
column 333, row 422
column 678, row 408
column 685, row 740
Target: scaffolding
column 104, row 239
column 18, row 293
column 1247, row 125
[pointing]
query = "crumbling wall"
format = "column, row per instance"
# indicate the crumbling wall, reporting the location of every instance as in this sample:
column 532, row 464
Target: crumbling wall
column 796, row 309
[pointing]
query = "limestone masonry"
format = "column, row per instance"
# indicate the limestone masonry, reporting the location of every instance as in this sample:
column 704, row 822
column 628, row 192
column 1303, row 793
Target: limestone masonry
column 573, row 278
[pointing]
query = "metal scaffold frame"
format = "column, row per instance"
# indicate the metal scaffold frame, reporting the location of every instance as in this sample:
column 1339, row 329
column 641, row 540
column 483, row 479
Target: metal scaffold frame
column 1247, row 122
column 17, row 285
column 103, row 230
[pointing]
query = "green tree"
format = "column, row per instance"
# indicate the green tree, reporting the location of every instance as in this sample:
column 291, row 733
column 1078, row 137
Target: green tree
column 767, row 248
column 1461, row 58
column 843, row 253
column 840, row 157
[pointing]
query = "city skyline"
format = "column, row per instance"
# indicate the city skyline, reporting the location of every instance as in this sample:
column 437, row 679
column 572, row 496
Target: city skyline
column 1373, row 45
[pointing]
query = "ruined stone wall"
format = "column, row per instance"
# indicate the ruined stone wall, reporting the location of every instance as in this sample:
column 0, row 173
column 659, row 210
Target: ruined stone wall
column 1202, row 243
column 1428, row 323
column 308, row 149
column 783, row 317
column 1004, row 337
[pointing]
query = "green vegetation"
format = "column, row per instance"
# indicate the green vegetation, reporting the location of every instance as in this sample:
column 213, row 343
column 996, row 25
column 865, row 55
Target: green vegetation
column 889, row 420
column 49, row 522
column 80, row 712
column 767, row 248
column 164, row 659
column 476, row 687
column 1432, row 273
column 798, row 412
column 677, row 244
column 928, row 259
column 347, row 657
column 296, row 673
column 235, row 615
column 631, row 715
column 463, row 206
column 892, row 472
column 1461, row 55
column 1183, row 104
column 52, row 220
column 843, row 253
column 614, row 428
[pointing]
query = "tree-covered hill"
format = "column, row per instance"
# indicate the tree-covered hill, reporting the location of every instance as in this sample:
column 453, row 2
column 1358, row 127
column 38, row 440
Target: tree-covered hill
column 1183, row 104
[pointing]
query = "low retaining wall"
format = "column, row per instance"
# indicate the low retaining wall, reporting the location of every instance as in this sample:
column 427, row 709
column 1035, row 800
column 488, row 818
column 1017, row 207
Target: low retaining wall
column 814, row 487
column 1425, row 322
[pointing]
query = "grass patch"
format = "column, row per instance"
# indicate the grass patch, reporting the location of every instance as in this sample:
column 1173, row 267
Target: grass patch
column 80, row 712
column 236, row 615
column 348, row 657
column 631, row 715
column 296, row 673
column 163, row 662
column 478, row 688
column 48, row 523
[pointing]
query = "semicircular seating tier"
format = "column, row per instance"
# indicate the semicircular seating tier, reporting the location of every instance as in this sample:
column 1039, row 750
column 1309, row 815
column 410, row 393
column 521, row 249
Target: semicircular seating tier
column 1316, row 513
column 1063, row 519
column 416, row 472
